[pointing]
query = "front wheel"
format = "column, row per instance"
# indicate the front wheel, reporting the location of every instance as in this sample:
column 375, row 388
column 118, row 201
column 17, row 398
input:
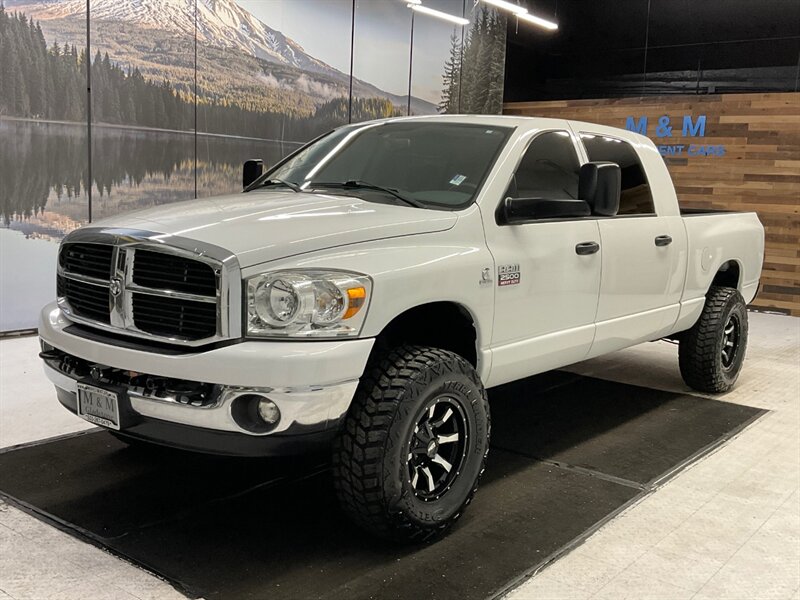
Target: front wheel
column 414, row 444
column 711, row 353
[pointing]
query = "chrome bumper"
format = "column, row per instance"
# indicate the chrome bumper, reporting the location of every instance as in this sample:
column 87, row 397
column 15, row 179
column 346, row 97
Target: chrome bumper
column 309, row 410
column 312, row 383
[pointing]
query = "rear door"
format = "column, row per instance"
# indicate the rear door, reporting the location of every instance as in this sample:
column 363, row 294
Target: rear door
column 642, row 255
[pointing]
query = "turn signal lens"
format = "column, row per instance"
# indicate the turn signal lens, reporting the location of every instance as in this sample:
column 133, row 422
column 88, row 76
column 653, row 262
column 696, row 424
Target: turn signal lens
column 355, row 300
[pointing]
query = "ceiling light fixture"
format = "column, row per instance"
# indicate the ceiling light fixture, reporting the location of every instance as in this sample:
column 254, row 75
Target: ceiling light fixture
column 514, row 8
column 522, row 13
column 538, row 21
column 439, row 14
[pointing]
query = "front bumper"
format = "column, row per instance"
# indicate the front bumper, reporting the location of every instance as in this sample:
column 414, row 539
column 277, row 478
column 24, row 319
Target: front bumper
column 311, row 382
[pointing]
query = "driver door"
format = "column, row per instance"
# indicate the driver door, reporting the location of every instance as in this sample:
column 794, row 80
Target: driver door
column 546, row 292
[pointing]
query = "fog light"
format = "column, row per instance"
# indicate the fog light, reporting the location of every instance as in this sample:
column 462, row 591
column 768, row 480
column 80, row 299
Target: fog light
column 255, row 413
column 269, row 411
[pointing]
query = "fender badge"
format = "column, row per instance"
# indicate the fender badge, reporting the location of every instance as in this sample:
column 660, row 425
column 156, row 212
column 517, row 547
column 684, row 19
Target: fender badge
column 508, row 275
column 486, row 276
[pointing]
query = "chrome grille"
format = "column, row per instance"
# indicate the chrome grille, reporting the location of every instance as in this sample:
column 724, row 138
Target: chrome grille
column 146, row 290
column 87, row 300
column 174, row 316
column 160, row 270
column 92, row 260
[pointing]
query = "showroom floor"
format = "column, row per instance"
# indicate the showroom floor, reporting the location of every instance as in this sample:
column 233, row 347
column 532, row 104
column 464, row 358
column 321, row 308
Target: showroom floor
column 727, row 527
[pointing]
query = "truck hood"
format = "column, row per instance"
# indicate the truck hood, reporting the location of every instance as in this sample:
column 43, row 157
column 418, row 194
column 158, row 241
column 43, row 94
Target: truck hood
column 266, row 225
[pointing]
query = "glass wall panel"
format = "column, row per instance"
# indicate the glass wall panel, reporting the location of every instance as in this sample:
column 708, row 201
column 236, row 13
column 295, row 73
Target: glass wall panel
column 380, row 61
column 43, row 155
column 271, row 75
column 437, row 56
column 142, row 77
column 483, row 61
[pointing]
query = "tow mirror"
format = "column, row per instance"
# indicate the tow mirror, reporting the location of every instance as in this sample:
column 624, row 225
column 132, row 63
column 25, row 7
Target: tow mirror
column 599, row 184
column 253, row 169
column 523, row 210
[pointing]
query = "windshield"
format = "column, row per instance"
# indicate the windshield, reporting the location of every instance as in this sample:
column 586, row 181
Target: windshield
column 419, row 163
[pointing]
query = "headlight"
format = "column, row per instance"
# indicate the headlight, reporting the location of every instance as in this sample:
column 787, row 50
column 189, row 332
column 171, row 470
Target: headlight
column 307, row 304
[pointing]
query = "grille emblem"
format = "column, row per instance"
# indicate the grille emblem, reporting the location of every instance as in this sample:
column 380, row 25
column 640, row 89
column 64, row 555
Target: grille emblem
column 115, row 287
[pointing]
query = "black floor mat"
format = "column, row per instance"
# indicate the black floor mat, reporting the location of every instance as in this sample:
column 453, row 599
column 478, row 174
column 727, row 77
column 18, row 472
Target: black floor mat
column 568, row 452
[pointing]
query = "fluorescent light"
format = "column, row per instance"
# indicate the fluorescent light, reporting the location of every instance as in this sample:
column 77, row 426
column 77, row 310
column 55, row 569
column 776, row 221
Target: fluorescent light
column 439, row 14
column 517, row 10
column 413, row 1
column 537, row 21
column 522, row 13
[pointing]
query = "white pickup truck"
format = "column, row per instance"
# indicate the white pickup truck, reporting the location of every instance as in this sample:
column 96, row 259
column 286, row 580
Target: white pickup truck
column 363, row 293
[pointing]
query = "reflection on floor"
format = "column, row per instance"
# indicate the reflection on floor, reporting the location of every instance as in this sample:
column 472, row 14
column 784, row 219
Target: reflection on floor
column 726, row 525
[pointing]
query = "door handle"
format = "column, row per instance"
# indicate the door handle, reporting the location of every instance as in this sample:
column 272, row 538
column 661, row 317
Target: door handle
column 663, row 240
column 585, row 248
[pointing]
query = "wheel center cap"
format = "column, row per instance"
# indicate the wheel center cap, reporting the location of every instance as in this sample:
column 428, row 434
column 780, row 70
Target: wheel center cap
column 432, row 449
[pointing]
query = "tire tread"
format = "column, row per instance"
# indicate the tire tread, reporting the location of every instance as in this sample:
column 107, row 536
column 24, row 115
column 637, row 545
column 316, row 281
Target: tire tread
column 359, row 450
column 697, row 351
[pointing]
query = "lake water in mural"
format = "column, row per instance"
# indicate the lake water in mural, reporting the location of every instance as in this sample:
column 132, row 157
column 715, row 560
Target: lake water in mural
column 43, row 191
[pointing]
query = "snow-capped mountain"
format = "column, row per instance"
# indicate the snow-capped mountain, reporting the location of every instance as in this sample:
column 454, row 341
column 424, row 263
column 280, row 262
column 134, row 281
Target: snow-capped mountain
column 135, row 30
column 219, row 22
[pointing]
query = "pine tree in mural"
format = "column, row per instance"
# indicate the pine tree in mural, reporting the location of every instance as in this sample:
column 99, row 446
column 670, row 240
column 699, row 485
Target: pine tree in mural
column 50, row 84
column 473, row 73
column 451, row 80
column 30, row 73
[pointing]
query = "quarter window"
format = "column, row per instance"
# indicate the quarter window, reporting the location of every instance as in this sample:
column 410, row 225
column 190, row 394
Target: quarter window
column 636, row 197
column 549, row 169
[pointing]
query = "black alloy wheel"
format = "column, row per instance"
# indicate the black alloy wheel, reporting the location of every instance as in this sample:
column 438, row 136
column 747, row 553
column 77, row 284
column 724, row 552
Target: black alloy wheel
column 437, row 448
column 730, row 341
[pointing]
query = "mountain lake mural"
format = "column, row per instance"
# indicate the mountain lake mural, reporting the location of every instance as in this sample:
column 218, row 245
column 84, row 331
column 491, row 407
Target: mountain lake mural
column 182, row 92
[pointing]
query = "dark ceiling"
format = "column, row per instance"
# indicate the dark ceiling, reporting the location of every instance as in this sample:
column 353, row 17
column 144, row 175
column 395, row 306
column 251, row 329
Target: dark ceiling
column 607, row 48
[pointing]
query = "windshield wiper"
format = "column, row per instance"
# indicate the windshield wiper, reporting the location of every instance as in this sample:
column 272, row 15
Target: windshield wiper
column 355, row 184
column 292, row 186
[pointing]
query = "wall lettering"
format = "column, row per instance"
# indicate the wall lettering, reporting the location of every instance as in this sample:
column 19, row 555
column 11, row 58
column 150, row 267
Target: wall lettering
column 691, row 126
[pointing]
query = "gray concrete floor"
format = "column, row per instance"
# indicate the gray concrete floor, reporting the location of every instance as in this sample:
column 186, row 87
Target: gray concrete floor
column 728, row 527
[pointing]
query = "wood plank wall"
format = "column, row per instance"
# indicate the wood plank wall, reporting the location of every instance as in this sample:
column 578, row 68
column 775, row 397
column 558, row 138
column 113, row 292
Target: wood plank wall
column 760, row 170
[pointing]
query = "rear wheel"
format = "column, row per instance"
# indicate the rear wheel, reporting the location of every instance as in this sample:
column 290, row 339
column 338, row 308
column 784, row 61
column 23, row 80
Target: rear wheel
column 414, row 444
column 711, row 353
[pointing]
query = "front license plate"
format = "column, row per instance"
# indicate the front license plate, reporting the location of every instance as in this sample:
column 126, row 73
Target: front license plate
column 98, row 406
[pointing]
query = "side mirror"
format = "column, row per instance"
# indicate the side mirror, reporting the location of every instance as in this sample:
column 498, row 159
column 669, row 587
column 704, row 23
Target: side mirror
column 523, row 210
column 599, row 184
column 253, row 169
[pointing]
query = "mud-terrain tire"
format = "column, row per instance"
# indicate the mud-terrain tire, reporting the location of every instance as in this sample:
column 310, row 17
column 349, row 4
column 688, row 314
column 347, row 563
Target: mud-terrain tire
column 417, row 411
column 711, row 353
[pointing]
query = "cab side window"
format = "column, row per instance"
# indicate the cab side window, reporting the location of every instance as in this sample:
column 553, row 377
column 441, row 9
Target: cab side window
column 636, row 197
column 549, row 169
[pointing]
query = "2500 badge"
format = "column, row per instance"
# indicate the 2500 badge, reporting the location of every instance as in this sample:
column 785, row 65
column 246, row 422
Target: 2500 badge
column 508, row 275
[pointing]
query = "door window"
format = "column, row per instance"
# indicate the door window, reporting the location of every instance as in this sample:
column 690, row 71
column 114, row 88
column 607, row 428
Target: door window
column 549, row 169
column 636, row 197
